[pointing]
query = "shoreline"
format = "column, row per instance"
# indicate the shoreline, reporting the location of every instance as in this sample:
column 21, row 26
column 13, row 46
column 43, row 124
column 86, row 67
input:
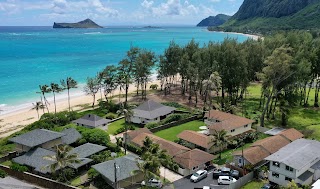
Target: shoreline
column 252, row 36
column 17, row 120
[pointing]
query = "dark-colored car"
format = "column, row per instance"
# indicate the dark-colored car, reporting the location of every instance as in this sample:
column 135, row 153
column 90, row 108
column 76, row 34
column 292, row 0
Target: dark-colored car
column 235, row 174
column 216, row 173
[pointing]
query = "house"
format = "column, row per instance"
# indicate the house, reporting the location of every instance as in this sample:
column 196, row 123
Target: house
column 189, row 161
column 37, row 138
column 234, row 125
column 92, row 121
column 193, row 139
column 35, row 157
column 291, row 134
column 71, row 136
column 298, row 161
column 150, row 111
column 120, row 172
column 255, row 154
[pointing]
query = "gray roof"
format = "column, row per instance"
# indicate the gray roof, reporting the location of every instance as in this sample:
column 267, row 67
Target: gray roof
column 298, row 153
column 92, row 120
column 127, row 166
column 36, row 137
column 316, row 166
column 34, row 158
column 72, row 135
column 84, row 161
column 305, row 176
column 11, row 183
column 87, row 150
column 151, row 109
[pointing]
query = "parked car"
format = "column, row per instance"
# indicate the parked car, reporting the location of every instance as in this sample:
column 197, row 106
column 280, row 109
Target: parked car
column 268, row 186
column 225, row 171
column 226, row 180
column 235, row 174
column 216, row 173
column 153, row 183
column 199, row 175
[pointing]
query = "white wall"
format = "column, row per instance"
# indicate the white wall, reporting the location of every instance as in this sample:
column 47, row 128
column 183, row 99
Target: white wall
column 282, row 174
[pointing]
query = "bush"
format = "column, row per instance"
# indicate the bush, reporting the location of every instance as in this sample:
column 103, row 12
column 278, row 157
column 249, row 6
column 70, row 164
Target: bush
column 111, row 115
column 123, row 129
column 102, row 157
column 67, row 173
column 151, row 125
column 92, row 173
column 3, row 173
column 174, row 117
column 113, row 147
column 134, row 149
column 154, row 86
column 110, row 106
column 18, row 167
column 95, row 136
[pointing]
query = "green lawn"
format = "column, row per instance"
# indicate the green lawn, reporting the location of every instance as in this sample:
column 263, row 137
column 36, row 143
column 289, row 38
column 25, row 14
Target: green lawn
column 7, row 163
column 253, row 185
column 76, row 181
column 114, row 126
column 171, row 133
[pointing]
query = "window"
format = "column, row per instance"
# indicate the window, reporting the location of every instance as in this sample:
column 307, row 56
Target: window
column 275, row 174
column 245, row 126
column 232, row 130
column 277, row 164
column 288, row 168
column 288, row 179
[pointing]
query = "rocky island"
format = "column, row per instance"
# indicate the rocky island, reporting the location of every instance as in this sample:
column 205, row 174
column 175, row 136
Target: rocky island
column 87, row 23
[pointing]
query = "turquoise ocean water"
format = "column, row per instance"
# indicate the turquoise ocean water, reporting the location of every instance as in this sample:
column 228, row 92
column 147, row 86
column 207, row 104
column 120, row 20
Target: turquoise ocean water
column 30, row 56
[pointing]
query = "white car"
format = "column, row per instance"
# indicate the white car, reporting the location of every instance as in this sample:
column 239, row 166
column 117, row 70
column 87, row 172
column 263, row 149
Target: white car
column 226, row 180
column 153, row 183
column 199, row 175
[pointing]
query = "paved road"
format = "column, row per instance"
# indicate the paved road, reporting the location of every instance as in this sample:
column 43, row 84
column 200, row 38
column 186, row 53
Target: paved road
column 185, row 183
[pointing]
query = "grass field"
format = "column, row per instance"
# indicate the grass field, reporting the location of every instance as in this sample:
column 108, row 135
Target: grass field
column 300, row 118
column 114, row 126
column 171, row 133
column 253, row 185
column 7, row 163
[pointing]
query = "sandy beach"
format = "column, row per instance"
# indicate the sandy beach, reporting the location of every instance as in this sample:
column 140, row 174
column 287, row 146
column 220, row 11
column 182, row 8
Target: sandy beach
column 17, row 120
column 254, row 37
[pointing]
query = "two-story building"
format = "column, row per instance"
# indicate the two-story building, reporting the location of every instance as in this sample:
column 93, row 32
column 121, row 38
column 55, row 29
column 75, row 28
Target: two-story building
column 297, row 161
column 234, row 125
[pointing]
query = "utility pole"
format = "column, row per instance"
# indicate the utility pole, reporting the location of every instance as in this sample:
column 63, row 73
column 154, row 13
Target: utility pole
column 115, row 176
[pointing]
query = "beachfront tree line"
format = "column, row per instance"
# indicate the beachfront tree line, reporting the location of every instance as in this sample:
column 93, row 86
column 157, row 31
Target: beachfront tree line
column 287, row 65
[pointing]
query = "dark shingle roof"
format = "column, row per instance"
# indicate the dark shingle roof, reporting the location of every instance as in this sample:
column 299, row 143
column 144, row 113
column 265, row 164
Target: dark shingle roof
column 72, row 135
column 92, row 120
column 151, row 109
column 34, row 158
column 36, row 137
column 127, row 166
column 305, row 176
column 87, row 150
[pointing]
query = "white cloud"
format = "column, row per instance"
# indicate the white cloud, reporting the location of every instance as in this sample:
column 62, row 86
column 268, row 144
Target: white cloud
column 147, row 4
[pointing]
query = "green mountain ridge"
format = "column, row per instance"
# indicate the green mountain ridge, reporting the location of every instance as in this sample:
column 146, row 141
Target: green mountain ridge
column 256, row 16
column 87, row 23
column 214, row 20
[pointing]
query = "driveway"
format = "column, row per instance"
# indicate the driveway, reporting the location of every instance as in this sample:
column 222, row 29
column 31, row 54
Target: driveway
column 185, row 183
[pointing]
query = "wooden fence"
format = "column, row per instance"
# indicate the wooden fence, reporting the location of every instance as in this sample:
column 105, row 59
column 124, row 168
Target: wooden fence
column 241, row 182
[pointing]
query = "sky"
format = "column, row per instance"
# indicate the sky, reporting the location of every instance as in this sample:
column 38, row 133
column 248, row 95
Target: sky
column 113, row 12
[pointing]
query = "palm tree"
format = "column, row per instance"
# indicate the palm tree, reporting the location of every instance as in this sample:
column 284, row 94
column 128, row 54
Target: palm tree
column 68, row 84
column 128, row 113
column 219, row 138
column 37, row 106
column 55, row 88
column 43, row 90
column 62, row 159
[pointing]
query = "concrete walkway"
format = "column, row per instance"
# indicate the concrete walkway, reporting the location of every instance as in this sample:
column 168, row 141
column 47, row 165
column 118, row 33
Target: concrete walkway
column 169, row 175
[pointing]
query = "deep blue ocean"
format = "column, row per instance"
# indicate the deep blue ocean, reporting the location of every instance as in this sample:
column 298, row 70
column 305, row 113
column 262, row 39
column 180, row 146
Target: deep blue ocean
column 33, row 56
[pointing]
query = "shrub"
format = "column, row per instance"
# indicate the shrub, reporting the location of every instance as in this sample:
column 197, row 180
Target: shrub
column 151, row 125
column 3, row 173
column 174, row 117
column 18, row 167
column 67, row 173
column 134, row 149
column 111, row 115
column 123, row 129
column 110, row 106
column 113, row 147
column 92, row 173
column 95, row 136
column 154, row 86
